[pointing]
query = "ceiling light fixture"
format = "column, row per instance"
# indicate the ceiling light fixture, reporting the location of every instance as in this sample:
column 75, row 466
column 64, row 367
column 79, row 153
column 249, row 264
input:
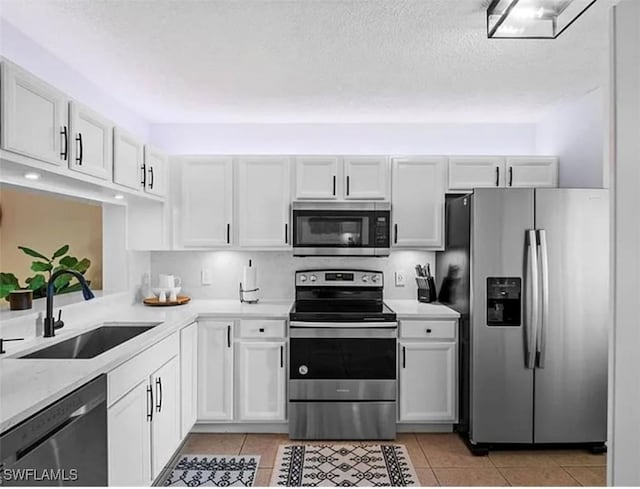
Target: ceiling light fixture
column 32, row 176
column 533, row 19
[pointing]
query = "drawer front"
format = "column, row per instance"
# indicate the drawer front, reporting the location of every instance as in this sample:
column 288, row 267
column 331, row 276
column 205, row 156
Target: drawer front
column 125, row 377
column 420, row 328
column 257, row 328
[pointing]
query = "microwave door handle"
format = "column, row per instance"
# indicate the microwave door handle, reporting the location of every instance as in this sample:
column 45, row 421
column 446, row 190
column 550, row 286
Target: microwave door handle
column 532, row 303
column 544, row 309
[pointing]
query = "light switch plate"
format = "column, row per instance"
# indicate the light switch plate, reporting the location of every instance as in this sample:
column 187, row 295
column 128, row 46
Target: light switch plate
column 400, row 279
column 205, row 276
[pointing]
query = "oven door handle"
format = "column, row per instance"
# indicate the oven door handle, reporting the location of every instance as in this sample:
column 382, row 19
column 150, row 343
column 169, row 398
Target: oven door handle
column 353, row 325
column 391, row 333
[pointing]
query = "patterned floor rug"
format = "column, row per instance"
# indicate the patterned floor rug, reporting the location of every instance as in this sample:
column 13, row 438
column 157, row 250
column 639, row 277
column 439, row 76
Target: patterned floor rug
column 335, row 464
column 214, row 470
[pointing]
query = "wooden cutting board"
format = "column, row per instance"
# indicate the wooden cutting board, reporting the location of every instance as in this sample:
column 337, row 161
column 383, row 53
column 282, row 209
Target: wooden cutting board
column 153, row 301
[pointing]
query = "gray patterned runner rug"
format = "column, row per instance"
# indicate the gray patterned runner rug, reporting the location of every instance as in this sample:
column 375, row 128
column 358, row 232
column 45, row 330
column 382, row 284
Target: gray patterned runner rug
column 335, row 464
column 214, row 470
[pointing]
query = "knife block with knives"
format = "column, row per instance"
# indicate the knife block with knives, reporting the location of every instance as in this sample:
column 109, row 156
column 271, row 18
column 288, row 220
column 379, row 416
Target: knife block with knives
column 426, row 284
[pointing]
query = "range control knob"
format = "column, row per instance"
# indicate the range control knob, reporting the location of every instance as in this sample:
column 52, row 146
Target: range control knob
column 303, row 278
column 303, row 370
column 313, row 278
column 365, row 278
column 374, row 278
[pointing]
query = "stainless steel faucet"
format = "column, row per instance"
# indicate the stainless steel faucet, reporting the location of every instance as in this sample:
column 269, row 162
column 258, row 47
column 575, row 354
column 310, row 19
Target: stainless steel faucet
column 50, row 324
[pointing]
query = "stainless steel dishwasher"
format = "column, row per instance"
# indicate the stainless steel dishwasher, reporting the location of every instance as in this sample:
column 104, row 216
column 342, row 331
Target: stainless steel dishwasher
column 65, row 444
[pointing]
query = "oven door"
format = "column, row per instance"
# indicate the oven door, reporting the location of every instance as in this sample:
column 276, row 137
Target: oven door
column 343, row 363
column 362, row 230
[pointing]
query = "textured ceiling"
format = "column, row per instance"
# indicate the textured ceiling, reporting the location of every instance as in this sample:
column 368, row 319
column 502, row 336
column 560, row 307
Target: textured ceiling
column 315, row 60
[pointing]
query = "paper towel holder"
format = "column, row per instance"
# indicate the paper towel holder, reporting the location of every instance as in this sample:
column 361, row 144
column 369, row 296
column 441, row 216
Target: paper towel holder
column 242, row 292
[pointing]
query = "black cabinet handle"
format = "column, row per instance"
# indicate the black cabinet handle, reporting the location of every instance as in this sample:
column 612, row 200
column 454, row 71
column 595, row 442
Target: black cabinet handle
column 510, row 176
column 497, row 176
column 151, row 177
column 228, row 336
column 80, row 149
column 404, row 357
column 159, row 394
column 395, row 233
column 281, row 356
column 261, row 330
column 149, row 403
column 65, row 140
column 286, row 233
column 228, row 233
column 143, row 182
column 428, row 330
column 348, row 189
column 334, row 185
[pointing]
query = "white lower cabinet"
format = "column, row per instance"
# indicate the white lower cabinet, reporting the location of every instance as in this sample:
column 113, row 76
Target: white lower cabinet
column 261, row 380
column 215, row 370
column 188, row 377
column 143, row 417
column 428, row 372
column 129, row 433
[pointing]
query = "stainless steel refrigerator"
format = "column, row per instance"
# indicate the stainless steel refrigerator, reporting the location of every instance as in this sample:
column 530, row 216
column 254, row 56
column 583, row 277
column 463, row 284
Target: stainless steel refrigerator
column 528, row 270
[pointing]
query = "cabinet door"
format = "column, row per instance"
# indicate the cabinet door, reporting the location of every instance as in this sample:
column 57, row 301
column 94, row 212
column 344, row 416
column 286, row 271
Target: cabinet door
column 155, row 164
column 532, row 171
column 34, row 117
column 129, row 435
column 263, row 192
column 91, row 142
column 215, row 371
column 418, row 201
column 366, row 177
column 316, row 177
column 469, row 172
column 261, row 381
column 207, row 198
column 128, row 160
column 165, row 428
column 188, row 378
column 428, row 382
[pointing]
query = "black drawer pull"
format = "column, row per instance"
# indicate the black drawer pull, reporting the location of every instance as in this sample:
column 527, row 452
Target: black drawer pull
column 261, row 330
column 428, row 330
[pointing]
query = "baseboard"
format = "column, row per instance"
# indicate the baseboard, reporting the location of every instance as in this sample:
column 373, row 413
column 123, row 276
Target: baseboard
column 424, row 428
column 204, row 427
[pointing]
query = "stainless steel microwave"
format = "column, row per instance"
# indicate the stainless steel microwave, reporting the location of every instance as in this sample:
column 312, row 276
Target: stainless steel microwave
column 341, row 228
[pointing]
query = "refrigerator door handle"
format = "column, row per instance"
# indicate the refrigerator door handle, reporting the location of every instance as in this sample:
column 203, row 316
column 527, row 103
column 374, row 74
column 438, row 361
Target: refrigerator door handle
column 533, row 306
column 544, row 309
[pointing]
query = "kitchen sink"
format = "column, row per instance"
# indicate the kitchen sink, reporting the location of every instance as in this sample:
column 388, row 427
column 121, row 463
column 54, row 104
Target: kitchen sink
column 92, row 343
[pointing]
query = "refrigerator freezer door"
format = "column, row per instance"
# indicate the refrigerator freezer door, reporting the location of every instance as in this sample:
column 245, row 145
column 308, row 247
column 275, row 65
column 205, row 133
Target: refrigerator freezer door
column 501, row 384
column 571, row 384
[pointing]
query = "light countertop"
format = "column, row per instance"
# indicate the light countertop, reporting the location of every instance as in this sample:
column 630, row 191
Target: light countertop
column 414, row 309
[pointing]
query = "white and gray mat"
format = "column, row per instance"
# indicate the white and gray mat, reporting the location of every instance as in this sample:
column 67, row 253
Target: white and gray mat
column 336, row 464
column 214, row 470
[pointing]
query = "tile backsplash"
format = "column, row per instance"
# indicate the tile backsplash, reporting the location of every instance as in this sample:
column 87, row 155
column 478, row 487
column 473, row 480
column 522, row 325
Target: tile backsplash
column 275, row 271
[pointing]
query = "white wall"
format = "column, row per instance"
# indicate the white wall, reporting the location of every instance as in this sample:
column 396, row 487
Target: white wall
column 474, row 139
column 575, row 131
column 22, row 50
column 275, row 271
column 624, row 457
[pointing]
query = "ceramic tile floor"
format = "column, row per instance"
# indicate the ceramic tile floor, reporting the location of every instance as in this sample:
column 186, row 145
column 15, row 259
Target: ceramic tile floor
column 439, row 459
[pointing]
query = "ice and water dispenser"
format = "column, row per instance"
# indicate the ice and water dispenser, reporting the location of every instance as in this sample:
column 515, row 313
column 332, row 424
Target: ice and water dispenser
column 504, row 301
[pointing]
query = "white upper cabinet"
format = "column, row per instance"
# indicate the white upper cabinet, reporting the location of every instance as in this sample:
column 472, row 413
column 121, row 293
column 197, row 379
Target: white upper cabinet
column 34, row 117
column 316, row 177
column 263, row 193
column 532, row 171
column 91, row 142
column 155, row 166
column 261, row 380
column 469, row 172
column 215, row 370
column 207, row 201
column 366, row 177
column 128, row 160
column 418, row 188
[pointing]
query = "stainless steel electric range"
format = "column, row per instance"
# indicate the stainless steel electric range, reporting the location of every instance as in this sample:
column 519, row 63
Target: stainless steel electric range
column 342, row 357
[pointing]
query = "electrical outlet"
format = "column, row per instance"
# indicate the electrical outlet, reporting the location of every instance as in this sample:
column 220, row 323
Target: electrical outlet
column 205, row 277
column 400, row 279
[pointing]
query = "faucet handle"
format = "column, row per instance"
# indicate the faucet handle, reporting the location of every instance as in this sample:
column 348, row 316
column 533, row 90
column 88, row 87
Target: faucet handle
column 59, row 323
column 2, row 340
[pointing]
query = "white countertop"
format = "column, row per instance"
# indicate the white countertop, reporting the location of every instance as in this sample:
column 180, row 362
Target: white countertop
column 28, row 385
column 415, row 309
